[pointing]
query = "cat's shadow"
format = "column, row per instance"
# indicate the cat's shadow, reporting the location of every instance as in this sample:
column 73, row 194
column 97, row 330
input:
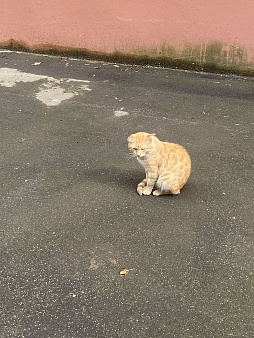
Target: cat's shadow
column 128, row 178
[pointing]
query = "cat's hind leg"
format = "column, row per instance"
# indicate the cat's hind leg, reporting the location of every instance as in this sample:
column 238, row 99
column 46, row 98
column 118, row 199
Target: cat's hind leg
column 160, row 193
column 141, row 185
column 166, row 185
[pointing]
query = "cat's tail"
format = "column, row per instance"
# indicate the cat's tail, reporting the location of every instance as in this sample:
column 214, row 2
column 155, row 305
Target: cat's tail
column 140, row 186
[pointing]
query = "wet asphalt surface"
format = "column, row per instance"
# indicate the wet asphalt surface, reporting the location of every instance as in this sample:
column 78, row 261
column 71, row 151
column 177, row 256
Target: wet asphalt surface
column 71, row 219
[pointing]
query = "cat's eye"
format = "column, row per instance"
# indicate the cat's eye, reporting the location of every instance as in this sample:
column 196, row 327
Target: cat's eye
column 143, row 148
column 134, row 148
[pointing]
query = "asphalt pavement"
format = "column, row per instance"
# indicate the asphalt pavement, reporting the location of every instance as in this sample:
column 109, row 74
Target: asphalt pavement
column 71, row 219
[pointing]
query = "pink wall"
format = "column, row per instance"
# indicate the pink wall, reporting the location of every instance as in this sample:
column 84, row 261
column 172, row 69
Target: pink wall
column 128, row 25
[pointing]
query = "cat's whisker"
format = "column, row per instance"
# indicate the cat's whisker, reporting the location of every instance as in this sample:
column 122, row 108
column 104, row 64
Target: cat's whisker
column 130, row 156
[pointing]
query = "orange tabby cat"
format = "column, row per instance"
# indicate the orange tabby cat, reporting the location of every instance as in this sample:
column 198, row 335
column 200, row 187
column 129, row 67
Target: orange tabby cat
column 167, row 165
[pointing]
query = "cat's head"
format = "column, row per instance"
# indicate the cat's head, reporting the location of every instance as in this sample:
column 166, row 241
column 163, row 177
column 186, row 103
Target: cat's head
column 141, row 144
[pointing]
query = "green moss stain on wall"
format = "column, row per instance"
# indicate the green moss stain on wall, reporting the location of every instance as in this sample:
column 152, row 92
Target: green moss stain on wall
column 211, row 56
column 214, row 52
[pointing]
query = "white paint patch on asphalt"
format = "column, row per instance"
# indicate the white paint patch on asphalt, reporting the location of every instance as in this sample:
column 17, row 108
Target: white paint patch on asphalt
column 51, row 91
column 53, row 96
column 10, row 77
column 76, row 80
column 120, row 113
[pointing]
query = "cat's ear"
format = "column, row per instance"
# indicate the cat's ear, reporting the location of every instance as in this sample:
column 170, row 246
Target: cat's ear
column 130, row 138
column 150, row 137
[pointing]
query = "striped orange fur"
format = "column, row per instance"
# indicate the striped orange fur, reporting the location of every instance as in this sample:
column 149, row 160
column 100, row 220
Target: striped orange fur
column 167, row 165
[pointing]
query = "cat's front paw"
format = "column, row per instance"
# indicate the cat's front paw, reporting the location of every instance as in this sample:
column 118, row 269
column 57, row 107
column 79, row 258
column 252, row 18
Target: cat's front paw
column 147, row 191
column 139, row 190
